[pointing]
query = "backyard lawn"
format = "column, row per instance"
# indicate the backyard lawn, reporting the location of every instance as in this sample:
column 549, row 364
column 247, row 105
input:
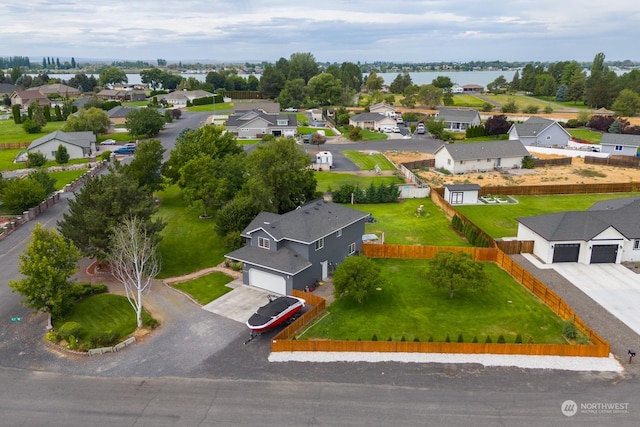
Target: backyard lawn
column 206, row 288
column 66, row 177
column 367, row 161
column 11, row 132
column 221, row 106
column 401, row 225
column 367, row 135
column 333, row 180
column 460, row 100
column 500, row 220
column 586, row 134
column 408, row 306
column 304, row 130
column 188, row 243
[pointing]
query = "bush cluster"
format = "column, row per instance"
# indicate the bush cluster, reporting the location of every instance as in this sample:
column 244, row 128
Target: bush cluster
column 470, row 232
column 476, row 131
column 81, row 290
column 373, row 194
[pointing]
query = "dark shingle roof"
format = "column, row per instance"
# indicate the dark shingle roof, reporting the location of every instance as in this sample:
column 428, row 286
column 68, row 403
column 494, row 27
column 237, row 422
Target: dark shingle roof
column 238, row 120
column 486, row 150
column 585, row 225
column 462, row 187
column 283, row 260
column 368, row 117
column 80, row 139
column 457, row 115
column 307, row 223
column 620, row 139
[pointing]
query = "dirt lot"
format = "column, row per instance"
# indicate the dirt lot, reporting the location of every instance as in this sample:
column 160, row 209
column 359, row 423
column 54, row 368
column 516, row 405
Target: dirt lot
column 576, row 173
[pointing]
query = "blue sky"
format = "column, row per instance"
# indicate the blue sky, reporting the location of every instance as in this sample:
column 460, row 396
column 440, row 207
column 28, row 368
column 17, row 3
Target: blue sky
column 333, row 30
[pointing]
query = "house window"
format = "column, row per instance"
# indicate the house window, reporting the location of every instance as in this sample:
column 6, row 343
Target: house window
column 319, row 244
column 618, row 148
column 462, row 162
column 53, row 154
column 339, row 233
column 264, row 243
column 636, row 245
column 448, row 161
column 352, row 248
column 283, row 122
column 456, row 197
column 548, row 137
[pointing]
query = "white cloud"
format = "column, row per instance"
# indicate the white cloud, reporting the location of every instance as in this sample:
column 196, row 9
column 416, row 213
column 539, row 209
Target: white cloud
column 334, row 30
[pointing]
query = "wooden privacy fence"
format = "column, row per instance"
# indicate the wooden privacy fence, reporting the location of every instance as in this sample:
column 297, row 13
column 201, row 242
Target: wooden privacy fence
column 512, row 247
column 598, row 348
column 424, row 252
column 540, row 163
column 13, row 145
column 620, row 161
column 538, row 190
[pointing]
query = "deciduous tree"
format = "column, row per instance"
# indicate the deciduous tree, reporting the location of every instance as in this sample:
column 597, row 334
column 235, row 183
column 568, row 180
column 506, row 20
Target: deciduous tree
column 47, row 263
column 19, row 195
column 94, row 120
column 146, row 166
column 456, row 271
column 144, row 122
column 112, row 75
column 356, row 277
column 497, row 125
column 627, row 103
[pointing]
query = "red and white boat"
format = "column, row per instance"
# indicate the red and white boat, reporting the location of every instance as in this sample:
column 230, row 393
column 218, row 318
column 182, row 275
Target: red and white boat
column 276, row 312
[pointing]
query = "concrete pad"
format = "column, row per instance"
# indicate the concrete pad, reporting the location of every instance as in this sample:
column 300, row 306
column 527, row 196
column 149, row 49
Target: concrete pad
column 613, row 286
column 240, row 303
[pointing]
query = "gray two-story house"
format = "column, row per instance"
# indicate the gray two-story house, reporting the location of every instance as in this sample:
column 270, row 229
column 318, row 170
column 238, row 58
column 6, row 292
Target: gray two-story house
column 293, row 250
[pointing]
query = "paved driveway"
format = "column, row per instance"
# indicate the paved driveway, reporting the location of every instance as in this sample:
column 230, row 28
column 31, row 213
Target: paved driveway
column 613, row 286
column 240, row 303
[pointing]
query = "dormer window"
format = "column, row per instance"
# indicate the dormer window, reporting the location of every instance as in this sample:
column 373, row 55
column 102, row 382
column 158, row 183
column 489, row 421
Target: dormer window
column 283, row 122
column 264, row 243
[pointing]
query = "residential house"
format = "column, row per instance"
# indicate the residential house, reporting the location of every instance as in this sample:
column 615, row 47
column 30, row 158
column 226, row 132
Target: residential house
column 255, row 124
column 609, row 232
column 180, row 98
column 315, row 115
column 456, row 89
column 293, row 250
column 118, row 114
column 122, row 94
column 24, row 98
column 78, row 144
column 58, row 89
column 7, row 89
column 265, row 106
column 620, row 144
column 480, row 156
column 472, row 88
column 458, row 119
column 372, row 121
column 384, row 109
column 540, row 132
column 461, row 194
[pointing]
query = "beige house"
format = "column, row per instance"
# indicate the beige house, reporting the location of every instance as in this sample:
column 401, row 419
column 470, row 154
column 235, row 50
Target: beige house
column 24, row 98
column 372, row 121
column 57, row 89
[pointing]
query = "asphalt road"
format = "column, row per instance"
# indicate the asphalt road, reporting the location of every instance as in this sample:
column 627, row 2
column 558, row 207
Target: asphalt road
column 195, row 371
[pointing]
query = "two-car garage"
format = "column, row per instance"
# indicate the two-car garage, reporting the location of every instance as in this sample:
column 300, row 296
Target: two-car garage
column 570, row 252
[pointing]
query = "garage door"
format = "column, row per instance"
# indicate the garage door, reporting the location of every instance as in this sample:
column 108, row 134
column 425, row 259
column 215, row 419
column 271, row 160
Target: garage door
column 604, row 254
column 270, row 282
column 566, row 252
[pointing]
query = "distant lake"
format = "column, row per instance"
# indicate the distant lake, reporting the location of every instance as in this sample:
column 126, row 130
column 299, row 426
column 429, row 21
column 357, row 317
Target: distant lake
column 419, row 78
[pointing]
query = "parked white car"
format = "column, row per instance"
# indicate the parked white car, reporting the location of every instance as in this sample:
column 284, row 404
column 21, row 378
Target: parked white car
column 108, row 142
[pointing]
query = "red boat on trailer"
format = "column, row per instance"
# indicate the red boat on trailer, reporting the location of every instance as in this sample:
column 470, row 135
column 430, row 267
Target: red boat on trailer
column 276, row 312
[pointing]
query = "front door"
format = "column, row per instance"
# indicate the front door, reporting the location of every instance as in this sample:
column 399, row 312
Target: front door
column 325, row 269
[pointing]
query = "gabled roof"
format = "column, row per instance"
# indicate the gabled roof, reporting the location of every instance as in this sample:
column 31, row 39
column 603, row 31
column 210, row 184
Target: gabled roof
column 243, row 119
column 585, row 225
column 368, row 117
column 382, row 105
column 30, row 95
column 119, row 112
column 7, row 87
column 56, row 88
column 457, row 115
column 306, row 224
column 283, row 260
column 485, row 150
column 620, row 139
column 534, row 126
column 80, row 139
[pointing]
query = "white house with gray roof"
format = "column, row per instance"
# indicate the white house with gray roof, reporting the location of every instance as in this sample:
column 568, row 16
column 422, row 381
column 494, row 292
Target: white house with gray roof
column 293, row 250
column 372, row 121
column 620, row 144
column 480, row 156
column 255, row 124
column 540, row 132
column 78, row 144
column 609, row 232
column 458, row 119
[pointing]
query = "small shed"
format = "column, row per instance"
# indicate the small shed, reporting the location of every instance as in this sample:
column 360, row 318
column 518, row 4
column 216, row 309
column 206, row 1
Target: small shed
column 461, row 194
column 324, row 159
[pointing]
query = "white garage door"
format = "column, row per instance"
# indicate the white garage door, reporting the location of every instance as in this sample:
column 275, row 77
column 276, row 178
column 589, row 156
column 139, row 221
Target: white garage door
column 270, row 282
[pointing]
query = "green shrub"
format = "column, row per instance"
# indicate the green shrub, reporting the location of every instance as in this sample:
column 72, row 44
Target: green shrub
column 474, row 340
column 509, row 107
column 488, row 340
column 105, row 156
column 62, row 155
column 389, row 339
column 52, row 336
column 374, row 337
column 447, row 339
column 460, row 339
column 99, row 289
column 501, row 339
column 548, row 109
column 233, row 240
column 518, row 339
column 104, row 339
column 403, row 339
column 36, row 159
column 530, row 109
column 570, row 331
column 430, row 338
column 416, row 339
column 69, row 328
column 151, row 323
column 30, row 126
column 73, row 342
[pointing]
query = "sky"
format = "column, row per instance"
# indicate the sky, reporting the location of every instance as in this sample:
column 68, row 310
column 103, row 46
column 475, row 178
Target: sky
column 332, row 30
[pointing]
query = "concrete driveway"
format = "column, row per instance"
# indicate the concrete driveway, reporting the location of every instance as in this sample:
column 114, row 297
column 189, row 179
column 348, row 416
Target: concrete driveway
column 240, row 303
column 613, row 286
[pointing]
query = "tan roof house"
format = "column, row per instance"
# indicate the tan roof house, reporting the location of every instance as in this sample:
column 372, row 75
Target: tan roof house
column 26, row 97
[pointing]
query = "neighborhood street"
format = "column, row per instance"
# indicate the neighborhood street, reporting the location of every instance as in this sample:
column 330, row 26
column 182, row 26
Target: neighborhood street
column 195, row 370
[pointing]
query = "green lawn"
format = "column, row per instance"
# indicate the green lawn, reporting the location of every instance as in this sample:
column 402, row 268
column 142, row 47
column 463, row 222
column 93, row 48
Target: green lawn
column 206, row 288
column 66, row 177
column 522, row 101
column 460, row 100
column 332, row 180
column 222, row 106
column 565, row 104
column 400, row 224
column 409, row 306
column 101, row 313
column 11, row 132
column 586, row 134
column 500, row 220
column 367, row 135
column 366, row 161
column 188, row 243
column 7, row 156
column 303, row 130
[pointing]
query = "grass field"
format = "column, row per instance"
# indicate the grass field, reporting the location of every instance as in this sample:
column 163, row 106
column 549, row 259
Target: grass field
column 66, row 177
column 7, row 156
column 304, row 130
column 333, row 181
column 367, row 135
column 11, row 132
column 222, row 106
column 206, row 288
column 500, row 220
column 460, row 100
column 400, row 225
column 367, row 161
column 586, row 134
column 409, row 306
column 565, row 104
column 188, row 244
column 101, row 313
column 522, row 101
